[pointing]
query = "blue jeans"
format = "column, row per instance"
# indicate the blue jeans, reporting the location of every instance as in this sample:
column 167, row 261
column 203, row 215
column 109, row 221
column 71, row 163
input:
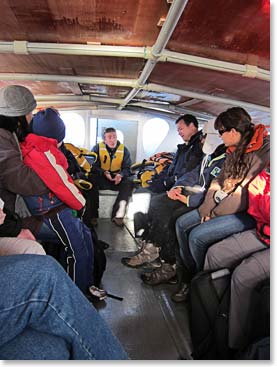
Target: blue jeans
column 37, row 294
column 195, row 238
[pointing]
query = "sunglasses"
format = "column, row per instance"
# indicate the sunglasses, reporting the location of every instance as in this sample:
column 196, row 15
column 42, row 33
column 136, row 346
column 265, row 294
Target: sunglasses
column 222, row 131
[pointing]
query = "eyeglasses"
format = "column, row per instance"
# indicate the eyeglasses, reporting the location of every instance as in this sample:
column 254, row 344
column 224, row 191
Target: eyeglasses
column 222, row 131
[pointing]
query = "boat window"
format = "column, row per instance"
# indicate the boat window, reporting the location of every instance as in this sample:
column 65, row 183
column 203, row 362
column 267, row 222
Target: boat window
column 154, row 132
column 75, row 128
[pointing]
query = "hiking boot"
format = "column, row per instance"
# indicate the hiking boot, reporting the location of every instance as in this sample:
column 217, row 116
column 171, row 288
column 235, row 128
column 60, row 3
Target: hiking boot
column 98, row 293
column 148, row 267
column 148, row 254
column 182, row 294
column 161, row 275
column 118, row 221
column 140, row 244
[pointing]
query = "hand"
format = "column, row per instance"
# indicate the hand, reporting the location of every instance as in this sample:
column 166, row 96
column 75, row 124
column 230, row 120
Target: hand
column 27, row 234
column 182, row 198
column 117, row 179
column 2, row 216
column 108, row 176
column 172, row 194
column 205, row 219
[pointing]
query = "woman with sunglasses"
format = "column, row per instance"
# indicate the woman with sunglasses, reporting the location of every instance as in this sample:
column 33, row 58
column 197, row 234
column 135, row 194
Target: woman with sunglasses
column 224, row 210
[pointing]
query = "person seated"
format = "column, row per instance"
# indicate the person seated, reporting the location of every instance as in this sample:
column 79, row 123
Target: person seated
column 45, row 316
column 224, row 209
column 57, row 223
column 247, row 255
column 187, row 157
column 14, row 239
column 157, row 228
column 111, row 171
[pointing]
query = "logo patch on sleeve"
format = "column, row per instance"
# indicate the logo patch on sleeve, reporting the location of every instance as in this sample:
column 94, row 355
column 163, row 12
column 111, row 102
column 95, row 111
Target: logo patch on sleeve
column 215, row 171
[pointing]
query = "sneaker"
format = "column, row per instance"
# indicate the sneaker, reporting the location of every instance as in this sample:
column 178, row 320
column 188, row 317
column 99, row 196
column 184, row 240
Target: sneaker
column 182, row 294
column 99, row 293
column 148, row 254
column 161, row 275
column 118, row 221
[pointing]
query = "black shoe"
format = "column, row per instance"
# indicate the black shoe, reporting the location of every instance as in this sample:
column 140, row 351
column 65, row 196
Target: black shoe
column 182, row 294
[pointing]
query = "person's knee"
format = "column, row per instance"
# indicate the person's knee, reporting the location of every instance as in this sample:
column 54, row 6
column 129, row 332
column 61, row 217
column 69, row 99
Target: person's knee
column 238, row 278
column 178, row 223
column 214, row 257
column 210, row 259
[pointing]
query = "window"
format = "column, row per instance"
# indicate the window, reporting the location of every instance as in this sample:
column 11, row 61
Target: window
column 75, row 128
column 154, row 132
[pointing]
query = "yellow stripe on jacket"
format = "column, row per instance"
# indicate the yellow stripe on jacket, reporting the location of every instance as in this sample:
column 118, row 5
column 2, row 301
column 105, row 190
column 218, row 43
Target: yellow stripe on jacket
column 108, row 164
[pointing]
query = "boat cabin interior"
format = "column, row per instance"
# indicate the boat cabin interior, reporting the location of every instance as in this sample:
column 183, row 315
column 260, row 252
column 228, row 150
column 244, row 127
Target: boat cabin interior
column 137, row 66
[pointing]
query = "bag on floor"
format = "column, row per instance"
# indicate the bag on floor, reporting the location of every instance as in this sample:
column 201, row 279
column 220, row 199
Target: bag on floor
column 209, row 308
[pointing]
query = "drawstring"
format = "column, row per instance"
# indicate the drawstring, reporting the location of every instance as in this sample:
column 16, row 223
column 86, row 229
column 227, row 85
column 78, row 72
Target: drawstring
column 204, row 163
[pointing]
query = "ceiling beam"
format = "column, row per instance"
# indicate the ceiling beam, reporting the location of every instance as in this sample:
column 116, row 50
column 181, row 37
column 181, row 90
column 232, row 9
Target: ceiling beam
column 131, row 83
column 204, row 97
column 174, row 13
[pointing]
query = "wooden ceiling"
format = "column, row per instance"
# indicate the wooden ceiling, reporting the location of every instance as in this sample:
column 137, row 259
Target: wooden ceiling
column 174, row 56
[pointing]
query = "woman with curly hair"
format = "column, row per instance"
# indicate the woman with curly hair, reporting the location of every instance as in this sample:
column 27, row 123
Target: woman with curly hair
column 224, row 210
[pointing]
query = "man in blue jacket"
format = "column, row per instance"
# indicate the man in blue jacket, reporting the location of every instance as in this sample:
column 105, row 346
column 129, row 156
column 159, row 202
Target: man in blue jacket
column 157, row 229
column 187, row 157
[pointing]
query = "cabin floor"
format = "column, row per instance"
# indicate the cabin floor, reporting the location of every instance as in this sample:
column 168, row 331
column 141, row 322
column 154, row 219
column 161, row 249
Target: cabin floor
column 148, row 324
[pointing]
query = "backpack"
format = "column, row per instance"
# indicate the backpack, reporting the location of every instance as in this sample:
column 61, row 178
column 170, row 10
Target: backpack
column 83, row 156
column 150, row 168
column 209, row 300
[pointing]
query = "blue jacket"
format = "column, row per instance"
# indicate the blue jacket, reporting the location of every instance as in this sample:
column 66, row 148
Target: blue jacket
column 196, row 183
column 186, row 158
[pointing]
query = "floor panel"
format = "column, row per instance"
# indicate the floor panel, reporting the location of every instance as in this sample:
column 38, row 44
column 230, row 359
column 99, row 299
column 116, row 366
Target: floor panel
column 148, row 324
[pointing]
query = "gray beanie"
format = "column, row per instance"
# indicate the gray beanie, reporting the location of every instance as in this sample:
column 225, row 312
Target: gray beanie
column 16, row 100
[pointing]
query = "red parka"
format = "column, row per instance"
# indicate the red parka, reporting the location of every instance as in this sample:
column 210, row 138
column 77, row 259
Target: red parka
column 259, row 204
column 44, row 157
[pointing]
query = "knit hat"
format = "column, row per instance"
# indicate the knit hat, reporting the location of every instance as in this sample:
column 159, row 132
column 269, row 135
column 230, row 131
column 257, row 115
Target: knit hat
column 212, row 140
column 16, row 100
column 49, row 124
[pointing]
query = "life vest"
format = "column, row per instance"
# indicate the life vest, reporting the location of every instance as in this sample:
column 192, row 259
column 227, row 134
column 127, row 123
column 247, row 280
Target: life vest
column 108, row 164
column 146, row 169
column 83, row 156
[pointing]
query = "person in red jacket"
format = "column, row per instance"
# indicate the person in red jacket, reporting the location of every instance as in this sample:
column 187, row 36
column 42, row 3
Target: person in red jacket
column 248, row 255
column 62, row 227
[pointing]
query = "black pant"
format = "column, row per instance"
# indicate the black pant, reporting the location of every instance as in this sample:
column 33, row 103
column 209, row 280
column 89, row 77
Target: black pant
column 159, row 224
column 124, row 188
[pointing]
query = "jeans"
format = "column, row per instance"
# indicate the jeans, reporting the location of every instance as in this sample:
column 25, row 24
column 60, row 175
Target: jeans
column 37, row 294
column 195, row 238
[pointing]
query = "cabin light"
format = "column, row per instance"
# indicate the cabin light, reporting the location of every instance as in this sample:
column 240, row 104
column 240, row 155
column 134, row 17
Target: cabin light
column 161, row 22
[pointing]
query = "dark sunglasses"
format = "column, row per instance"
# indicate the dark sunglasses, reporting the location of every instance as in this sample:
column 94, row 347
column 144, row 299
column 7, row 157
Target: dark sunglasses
column 222, row 131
